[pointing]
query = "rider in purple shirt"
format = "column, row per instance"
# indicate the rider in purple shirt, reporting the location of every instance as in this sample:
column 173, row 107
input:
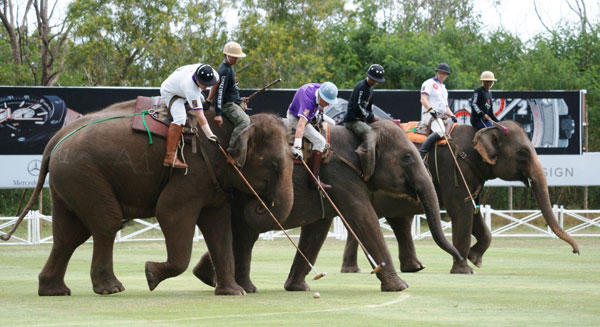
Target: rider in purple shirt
column 309, row 101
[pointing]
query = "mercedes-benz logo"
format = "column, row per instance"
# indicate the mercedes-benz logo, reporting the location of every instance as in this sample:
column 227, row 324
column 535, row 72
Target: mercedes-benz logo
column 34, row 167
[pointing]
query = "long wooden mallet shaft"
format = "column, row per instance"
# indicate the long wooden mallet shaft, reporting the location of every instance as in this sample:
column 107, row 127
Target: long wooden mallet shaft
column 232, row 162
column 264, row 88
column 376, row 267
column 475, row 206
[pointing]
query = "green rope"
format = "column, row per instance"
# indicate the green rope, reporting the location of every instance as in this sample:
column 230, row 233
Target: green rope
column 143, row 113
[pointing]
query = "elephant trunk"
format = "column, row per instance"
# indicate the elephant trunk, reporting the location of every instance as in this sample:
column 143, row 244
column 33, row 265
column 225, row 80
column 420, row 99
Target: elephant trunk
column 428, row 198
column 280, row 205
column 540, row 190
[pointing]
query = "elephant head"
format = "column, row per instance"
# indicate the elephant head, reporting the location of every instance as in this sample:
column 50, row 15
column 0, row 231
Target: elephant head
column 512, row 157
column 266, row 162
column 392, row 164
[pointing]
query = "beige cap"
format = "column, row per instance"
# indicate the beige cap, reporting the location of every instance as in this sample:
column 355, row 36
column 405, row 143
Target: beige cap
column 487, row 76
column 233, row 49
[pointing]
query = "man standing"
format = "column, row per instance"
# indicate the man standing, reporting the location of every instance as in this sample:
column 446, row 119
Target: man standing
column 185, row 85
column 309, row 101
column 482, row 110
column 360, row 111
column 434, row 103
column 228, row 101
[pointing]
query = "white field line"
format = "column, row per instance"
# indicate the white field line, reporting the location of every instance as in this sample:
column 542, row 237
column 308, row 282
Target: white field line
column 401, row 298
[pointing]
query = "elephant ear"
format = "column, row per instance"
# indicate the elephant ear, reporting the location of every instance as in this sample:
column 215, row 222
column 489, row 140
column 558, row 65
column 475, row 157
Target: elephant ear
column 486, row 142
column 366, row 154
column 239, row 151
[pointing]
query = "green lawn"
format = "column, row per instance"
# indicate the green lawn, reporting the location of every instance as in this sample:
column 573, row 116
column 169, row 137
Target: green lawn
column 524, row 282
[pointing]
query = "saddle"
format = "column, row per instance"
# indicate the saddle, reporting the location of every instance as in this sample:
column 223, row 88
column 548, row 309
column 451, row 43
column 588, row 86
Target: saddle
column 417, row 132
column 325, row 130
column 160, row 118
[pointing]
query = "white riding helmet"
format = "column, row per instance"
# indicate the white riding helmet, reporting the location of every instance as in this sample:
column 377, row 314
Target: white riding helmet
column 487, row 76
column 328, row 92
column 233, row 49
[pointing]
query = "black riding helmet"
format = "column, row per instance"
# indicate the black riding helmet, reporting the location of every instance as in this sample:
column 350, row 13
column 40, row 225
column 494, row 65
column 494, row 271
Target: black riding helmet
column 443, row 67
column 375, row 72
column 206, row 75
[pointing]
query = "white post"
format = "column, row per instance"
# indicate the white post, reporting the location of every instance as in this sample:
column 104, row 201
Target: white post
column 488, row 215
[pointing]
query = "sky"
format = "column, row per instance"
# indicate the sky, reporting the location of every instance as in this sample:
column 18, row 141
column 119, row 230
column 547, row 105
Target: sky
column 519, row 16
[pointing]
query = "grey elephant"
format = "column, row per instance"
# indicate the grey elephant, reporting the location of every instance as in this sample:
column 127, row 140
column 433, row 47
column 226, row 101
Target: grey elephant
column 392, row 166
column 490, row 153
column 105, row 174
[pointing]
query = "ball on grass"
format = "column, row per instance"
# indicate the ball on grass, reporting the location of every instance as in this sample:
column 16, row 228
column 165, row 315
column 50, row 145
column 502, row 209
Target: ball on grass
column 316, row 295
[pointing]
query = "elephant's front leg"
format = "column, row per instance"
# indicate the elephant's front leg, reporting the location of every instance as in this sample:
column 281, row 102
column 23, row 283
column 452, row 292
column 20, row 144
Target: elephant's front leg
column 406, row 247
column 364, row 221
column 312, row 237
column 178, row 229
column 215, row 225
column 483, row 235
column 350, row 260
column 461, row 213
column 244, row 238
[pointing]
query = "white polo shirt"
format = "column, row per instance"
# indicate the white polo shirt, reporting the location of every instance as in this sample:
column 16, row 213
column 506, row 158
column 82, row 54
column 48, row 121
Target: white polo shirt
column 180, row 83
column 438, row 95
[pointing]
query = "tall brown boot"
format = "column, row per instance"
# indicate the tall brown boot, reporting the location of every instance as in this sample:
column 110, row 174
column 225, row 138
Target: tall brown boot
column 314, row 163
column 173, row 137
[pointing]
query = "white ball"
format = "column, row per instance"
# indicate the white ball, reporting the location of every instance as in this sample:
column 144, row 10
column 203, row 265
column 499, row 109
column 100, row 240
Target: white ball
column 316, row 295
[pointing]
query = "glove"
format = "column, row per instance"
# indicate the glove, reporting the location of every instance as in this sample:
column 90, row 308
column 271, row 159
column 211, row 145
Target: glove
column 453, row 119
column 432, row 113
column 297, row 153
column 213, row 138
column 244, row 105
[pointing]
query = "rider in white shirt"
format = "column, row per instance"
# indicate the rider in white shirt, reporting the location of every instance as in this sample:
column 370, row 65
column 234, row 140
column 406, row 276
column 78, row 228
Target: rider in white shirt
column 434, row 103
column 185, row 85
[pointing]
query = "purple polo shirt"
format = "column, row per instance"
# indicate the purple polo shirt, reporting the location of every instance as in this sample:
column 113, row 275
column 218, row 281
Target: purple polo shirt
column 305, row 101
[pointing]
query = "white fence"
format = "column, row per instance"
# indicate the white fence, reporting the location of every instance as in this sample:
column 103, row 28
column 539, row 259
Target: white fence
column 502, row 223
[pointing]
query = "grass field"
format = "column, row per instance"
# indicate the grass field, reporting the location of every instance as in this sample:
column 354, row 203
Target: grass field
column 524, row 282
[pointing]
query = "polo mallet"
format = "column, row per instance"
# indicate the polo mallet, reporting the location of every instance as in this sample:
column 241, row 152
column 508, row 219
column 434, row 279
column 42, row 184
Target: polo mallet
column 376, row 268
column 502, row 127
column 475, row 206
column 264, row 88
column 232, row 162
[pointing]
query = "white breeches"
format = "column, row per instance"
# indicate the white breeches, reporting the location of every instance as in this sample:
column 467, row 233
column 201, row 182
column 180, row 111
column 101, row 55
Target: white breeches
column 317, row 140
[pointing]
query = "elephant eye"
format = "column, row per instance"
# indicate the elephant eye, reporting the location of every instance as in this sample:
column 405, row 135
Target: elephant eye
column 407, row 157
column 523, row 154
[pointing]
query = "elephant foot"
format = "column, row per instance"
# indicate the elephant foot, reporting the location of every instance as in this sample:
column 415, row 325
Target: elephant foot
column 475, row 258
column 393, row 285
column 350, row 269
column 248, row 286
column 294, row 286
column 411, row 266
column 152, row 275
column 205, row 271
column 461, row 267
column 108, row 287
column 231, row 289
column 47, row 288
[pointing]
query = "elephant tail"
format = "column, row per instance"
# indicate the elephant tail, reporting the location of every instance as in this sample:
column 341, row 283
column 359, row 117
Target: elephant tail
column 38, row 189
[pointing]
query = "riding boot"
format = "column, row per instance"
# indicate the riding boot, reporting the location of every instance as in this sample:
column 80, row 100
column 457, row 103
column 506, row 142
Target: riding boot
column 314, row 163
column 431, row 139
column 173, row 137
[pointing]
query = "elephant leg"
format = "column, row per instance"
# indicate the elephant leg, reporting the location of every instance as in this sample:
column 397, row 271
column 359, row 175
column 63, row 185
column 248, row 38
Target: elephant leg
column 406, row 247
column 243, row 242
column 68, row 233
column 312, row 237
column 350, row 260
column 178, row 229
column 244, row 238
column 483, row 235
column 365, row 224
column 215, row 225
column 461, row 214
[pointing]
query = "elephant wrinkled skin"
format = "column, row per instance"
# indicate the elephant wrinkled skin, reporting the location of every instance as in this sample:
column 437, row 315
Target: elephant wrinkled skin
column 390, row 163
column 490, row 153
column 106, row 174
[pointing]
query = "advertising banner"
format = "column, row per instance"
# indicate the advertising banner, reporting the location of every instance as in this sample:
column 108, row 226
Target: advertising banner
column 29, row 117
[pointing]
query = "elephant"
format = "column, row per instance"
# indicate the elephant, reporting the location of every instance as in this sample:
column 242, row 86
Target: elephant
column 490, row 153
column 391, row 165
column 105, row 174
